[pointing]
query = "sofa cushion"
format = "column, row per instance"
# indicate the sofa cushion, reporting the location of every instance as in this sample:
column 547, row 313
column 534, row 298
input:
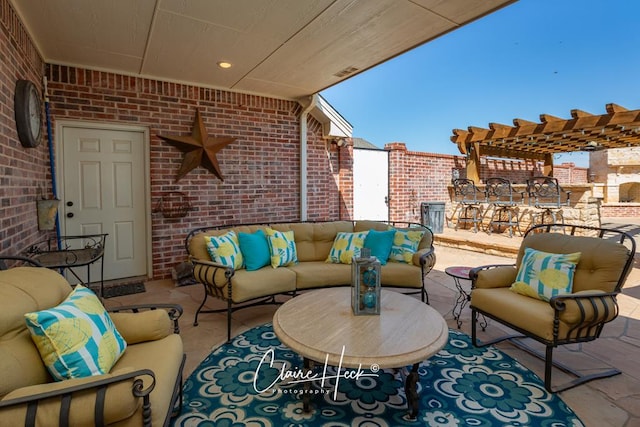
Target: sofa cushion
column 317, row 274
column 282, row 247
column 225, row 250
column 380, row 243
column 399, row 274
column 314, row 239
column 77, row 337
column 405, row 244
column 198, row 246
column 255, row 249
column 346, row 246
column 248, row 285
column 544, row 275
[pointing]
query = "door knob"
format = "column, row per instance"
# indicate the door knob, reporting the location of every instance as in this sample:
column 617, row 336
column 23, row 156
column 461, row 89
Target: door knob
column 69, row 203
column 70, row 215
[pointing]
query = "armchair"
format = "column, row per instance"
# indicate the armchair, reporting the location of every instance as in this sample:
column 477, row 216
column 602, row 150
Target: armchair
column 605, row 260
column 142, row 388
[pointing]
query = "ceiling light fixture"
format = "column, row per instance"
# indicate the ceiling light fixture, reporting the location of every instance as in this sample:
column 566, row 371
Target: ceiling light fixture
column 224, row 64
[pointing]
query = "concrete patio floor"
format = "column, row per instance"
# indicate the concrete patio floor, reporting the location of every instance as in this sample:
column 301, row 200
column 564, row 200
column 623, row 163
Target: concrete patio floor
column 607, row 402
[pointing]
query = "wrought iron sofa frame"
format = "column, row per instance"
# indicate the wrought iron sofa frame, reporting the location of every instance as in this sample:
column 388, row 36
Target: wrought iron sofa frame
column 583, row 331
column 427, row 262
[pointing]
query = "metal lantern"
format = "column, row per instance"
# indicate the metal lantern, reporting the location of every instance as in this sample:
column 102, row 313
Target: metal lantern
column 365, row 284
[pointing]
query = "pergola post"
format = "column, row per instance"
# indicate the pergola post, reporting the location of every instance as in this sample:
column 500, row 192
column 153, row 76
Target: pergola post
column 473, row 162
column 547, row 169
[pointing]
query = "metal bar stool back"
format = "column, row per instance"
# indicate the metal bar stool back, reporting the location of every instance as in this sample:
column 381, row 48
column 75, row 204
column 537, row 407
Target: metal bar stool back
column 545, row 193
column 502, row 198
column 469, row 198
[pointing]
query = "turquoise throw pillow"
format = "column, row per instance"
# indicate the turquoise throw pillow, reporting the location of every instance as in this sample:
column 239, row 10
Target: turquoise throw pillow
column 255, row 250
column 380, row 243
column 77, row 338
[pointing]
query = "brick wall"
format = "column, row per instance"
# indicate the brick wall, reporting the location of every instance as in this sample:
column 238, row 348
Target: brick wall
column 416, row 177
column 24, row 172
column 261, row 168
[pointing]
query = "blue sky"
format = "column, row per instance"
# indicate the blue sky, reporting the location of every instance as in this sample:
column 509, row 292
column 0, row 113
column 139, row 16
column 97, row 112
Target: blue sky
column 530, row 58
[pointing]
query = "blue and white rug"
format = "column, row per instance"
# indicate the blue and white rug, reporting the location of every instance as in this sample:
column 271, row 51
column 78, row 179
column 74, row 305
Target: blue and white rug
column 251, row 381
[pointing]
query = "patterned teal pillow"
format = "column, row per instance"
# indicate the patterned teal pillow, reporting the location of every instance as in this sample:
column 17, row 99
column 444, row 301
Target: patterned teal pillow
column 346, row 246
column 282, row 247
column 405, row 244
column 543, row 275
column 77, row 338
column 225, row 250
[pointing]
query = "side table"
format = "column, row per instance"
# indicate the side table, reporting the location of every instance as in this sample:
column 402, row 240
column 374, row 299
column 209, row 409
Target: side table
column 460, row 273
column 69, row 253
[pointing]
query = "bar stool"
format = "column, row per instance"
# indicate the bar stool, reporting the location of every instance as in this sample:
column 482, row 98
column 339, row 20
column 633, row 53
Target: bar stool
column 500, row 195
column 469, row 201
column 547, row 195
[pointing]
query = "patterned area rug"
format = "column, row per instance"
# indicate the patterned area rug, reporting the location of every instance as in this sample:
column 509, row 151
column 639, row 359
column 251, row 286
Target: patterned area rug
column 244, row 383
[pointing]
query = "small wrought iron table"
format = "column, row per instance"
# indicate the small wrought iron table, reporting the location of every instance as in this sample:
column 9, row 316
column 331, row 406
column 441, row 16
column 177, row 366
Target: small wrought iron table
column 69, row 252
column 464, row 296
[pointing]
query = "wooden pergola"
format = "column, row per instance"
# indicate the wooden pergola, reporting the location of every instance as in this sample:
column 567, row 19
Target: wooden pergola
column 540, row 141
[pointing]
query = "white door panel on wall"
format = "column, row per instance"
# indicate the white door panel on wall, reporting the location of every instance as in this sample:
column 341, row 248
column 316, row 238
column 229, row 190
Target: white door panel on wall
column 104, row 192
column 370, row 184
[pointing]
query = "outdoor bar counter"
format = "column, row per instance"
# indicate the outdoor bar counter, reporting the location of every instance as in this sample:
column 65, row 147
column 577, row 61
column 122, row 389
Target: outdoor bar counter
column 583, row 208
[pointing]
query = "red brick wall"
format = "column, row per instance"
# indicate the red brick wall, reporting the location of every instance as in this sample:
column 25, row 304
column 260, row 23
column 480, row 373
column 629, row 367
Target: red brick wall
column 23, row 171
column 620, row 210
column 416, row 177
column 261, row 168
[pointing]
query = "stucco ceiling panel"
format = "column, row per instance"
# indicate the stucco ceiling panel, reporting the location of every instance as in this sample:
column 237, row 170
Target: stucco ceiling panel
column 62, row 26
column 350, row 34
column 461, row 11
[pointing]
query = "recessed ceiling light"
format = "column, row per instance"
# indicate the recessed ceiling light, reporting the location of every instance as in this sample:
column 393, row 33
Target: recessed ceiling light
column 224, row 64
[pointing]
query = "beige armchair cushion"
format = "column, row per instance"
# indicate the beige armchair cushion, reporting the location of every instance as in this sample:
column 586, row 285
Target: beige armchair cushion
column 144, row 326
column 600, row 262
column 498, row 277
column 21, row 363
column 119, row 402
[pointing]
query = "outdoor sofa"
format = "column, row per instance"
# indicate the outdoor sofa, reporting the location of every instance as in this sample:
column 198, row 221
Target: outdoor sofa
column 314, row 241
column 143, row 386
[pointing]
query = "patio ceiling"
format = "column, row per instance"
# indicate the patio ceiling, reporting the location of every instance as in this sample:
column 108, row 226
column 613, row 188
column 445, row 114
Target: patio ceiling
column 618, row 128
column 280, row 48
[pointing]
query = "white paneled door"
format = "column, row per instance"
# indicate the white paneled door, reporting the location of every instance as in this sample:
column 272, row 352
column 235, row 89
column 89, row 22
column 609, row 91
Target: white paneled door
column 371, row 184
column 104, row 192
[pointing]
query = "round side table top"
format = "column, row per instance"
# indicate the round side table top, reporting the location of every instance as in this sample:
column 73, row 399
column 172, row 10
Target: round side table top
column 320, row 325
column 458, row 272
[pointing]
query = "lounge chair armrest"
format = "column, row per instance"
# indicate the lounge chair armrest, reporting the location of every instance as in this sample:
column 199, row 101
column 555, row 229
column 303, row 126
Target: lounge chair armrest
column 425, row 258
column 215, row 277
column 586, row 307
column 493, row 276
column 109, row 398
column 174, row 311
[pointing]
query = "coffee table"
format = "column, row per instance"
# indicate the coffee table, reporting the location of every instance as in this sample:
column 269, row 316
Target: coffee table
column 321, row 327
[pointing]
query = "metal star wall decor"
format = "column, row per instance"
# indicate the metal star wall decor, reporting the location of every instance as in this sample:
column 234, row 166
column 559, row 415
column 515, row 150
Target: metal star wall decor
column 200, row 149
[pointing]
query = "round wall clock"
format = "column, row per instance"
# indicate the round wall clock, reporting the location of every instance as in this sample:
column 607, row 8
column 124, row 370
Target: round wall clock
column 28, row 109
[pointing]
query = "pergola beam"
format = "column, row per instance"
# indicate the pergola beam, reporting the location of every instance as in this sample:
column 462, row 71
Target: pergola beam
column 539, row 141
